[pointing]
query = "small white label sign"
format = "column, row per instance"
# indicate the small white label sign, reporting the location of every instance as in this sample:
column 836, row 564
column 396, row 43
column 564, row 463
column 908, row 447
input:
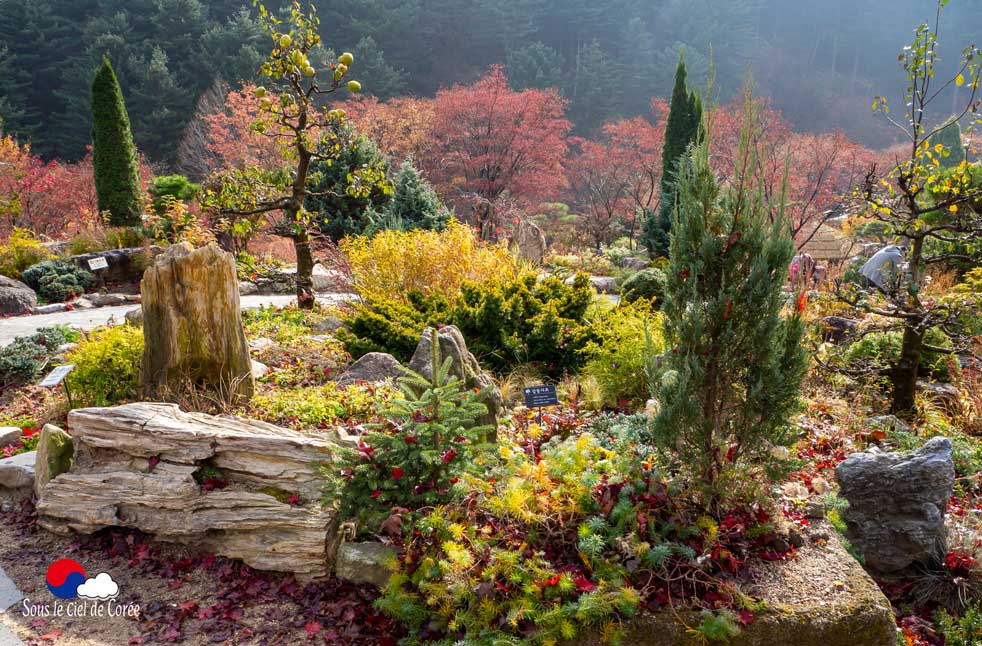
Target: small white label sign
column 98, row 263
column 56, row 376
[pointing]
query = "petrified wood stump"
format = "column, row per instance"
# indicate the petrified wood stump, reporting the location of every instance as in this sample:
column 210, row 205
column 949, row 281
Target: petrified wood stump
column 142, row 466
column 192, row 324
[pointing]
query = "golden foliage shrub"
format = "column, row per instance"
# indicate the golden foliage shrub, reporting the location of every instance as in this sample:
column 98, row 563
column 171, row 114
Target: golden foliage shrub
column 394, row 263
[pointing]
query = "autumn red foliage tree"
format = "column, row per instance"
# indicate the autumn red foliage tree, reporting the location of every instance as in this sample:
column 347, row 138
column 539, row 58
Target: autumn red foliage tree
column 402, row 127
column 615, row 178
column 495, row 149
column 822, row 167
column 232, row 138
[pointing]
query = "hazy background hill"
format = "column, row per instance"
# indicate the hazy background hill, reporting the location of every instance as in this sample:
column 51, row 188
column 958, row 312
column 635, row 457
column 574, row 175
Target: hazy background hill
column 819, row 61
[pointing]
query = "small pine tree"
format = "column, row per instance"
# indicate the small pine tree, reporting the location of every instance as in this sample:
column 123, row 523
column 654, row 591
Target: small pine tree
column 737, row 362
column 114, row 160
column 414, row 203
column 682, row 129
column 950, row 138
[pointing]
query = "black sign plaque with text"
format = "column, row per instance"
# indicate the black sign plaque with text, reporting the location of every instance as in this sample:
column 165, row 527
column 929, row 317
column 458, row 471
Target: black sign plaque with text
column 539, row 396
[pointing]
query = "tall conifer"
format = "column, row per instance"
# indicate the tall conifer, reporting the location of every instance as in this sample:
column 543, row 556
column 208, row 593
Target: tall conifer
column 115, row 166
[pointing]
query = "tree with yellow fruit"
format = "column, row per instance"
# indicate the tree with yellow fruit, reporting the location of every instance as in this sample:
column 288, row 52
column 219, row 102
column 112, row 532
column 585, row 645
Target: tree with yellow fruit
column 299, row 125
column 931, row 210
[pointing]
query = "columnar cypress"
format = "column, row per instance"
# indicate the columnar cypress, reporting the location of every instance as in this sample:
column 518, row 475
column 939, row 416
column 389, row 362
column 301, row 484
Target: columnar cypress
column 114, row 160
column 684, row 121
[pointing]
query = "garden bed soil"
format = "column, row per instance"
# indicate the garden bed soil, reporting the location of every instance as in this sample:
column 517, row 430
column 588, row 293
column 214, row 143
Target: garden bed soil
column 183, row 597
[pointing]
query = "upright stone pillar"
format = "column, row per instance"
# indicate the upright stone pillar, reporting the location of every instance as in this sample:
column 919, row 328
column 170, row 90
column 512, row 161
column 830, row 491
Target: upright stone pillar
column 192, row 325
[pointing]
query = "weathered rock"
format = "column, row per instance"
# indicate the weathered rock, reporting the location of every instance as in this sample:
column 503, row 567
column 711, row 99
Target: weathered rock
column 821, row 597
column 373, row 367
column 124, row 265
column 896, row 503
column 16, row 298
column 192, row 324
column 17, row 477
column 945, row 394
column 635, row 264
column 135, row 467
column 134, row 317
column 52, row 308
column 889, row 423
column 815, row 510
column 9, row 435
column 259, row 369
column 365, row 562
column 107, row 300
column 261, row 343
column 247, row 288
column 464, row 366
column 328, row 280
column 54, row 456
column 531, row 242
column 837, row 328
column 82, row 304
column 329, row 324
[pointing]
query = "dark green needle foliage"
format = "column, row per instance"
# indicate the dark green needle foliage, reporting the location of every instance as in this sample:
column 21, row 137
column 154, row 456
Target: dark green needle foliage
column 117, row 176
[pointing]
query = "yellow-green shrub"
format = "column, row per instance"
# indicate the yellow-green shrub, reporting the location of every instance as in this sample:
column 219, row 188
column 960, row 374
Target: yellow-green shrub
column 618, row 357
column 315, row 406
column 107, row 367
column 395, row 263
column 21, row 251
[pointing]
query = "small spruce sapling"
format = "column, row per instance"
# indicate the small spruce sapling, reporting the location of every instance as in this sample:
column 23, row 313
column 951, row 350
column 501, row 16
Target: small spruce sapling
column 415, row 457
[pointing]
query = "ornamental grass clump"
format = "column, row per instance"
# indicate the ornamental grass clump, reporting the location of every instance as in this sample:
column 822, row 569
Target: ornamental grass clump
column 736, row 362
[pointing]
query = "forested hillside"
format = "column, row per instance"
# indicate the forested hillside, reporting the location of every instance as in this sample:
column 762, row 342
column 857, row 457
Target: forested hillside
column 820, row 62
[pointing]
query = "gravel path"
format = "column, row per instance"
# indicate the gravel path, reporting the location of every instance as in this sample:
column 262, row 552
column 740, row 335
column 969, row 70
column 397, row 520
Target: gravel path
column 11, row 328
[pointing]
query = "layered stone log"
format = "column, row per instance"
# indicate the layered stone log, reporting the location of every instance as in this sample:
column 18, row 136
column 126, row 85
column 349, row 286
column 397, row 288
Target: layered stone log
column 237, row 488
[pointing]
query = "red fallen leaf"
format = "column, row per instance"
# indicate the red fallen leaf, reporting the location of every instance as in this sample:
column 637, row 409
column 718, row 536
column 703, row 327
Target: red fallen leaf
column 153, row 462
column 397, row 473
column 174, row 585
column 234, row 614
column 746, row 617
column 293, row 500
column 449, row 456
column 50, row 637
column 312, row 627
column 38, row 623
column 392, row 525
column 583, row 584
column 548, row 583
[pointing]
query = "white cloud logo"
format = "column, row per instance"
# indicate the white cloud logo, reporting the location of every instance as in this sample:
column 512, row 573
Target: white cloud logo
column 101, row 588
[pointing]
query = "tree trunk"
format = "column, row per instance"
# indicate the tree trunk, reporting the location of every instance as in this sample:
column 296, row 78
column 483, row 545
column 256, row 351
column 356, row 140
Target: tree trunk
column 305, row 271
column 905, row 372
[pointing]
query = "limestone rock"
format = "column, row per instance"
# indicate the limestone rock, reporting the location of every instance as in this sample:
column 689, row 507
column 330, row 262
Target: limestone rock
column 635, row 264
column 464, row 366
column 54, row 456
column 896, row 503
column 134, row 317
column 247, row 288
column 259, row 369
column 135, row 467
column 531, row 242
column 52, row 308
column 17, row 476
column 373, row 367
column 82, row 304
column 889, row 423
column 192, row 324
column 261, row 343
column 107, row 300
column 600, row 284
column 364, row 562
column 329, row 324
column 837, row 328
column 16, row 298
column 9, row 435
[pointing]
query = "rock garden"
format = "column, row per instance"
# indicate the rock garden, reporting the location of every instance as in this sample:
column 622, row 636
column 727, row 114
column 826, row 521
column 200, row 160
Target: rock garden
column 502, row 433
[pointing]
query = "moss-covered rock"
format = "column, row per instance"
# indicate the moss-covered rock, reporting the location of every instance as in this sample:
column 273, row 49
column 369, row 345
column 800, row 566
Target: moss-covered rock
column 54, row 456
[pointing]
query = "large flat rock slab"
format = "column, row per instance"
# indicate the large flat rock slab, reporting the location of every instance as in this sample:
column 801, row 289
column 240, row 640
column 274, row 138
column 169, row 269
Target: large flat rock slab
column 821, row 597
column 142, row 466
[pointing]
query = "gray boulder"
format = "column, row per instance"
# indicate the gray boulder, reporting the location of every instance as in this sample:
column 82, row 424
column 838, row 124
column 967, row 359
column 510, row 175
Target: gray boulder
column 17, row 477
column 364, row 562
column 9, row 435
column 134, row 317
column 837, row 328
column 896, row 501
column 464, row 366
column 635, row 264
column 373, row 367
column 16, row 297
column 889, row 423
column 531, row 242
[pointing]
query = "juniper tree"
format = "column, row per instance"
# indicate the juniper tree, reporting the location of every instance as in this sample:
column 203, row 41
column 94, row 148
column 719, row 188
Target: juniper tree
column 414, row 203
column 682, row 129
column 114, row 160
column 736, row 364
